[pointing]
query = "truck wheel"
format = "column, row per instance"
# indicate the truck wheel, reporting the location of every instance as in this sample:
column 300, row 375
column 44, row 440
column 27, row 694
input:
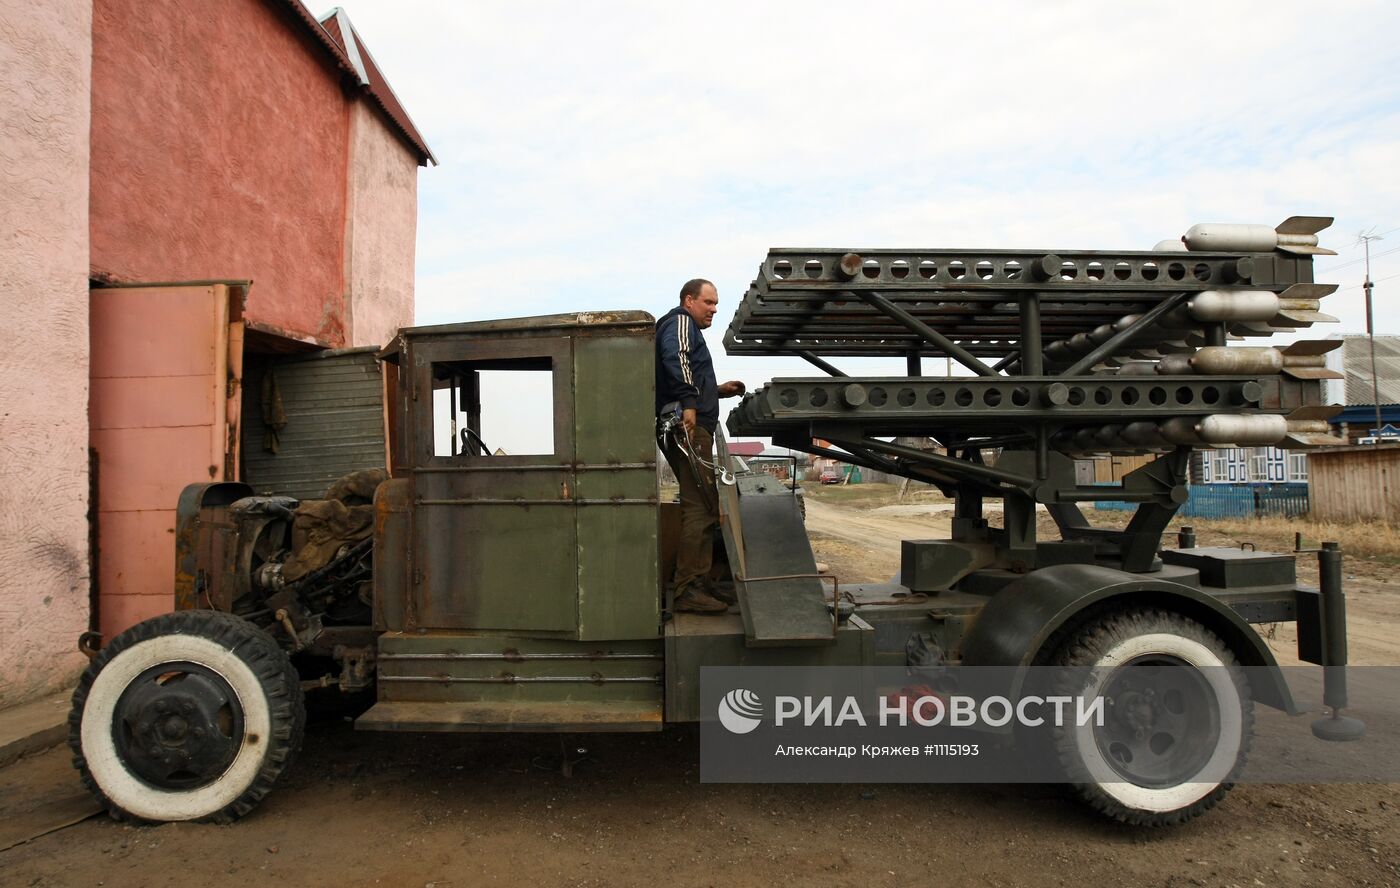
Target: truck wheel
column 187, row 716
column 1178, row 717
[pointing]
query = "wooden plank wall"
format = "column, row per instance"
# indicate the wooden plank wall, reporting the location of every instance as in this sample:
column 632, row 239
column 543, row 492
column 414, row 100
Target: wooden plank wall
column 1111, row 469
column 1355, row 483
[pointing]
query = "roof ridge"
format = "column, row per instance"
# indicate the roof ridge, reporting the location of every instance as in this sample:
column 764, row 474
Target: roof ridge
column 359, row 53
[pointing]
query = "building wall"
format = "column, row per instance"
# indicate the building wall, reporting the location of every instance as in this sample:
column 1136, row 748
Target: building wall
column 219, row 151
column 381, row 223
column 46, row 56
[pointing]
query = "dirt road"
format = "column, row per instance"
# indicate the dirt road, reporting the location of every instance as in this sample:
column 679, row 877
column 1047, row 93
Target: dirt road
column 463, row 810
column 864, row 543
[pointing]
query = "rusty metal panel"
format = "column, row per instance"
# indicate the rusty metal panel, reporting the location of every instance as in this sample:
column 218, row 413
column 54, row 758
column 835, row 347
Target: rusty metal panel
column 618, row 571
column 392, row 557
column 205, row 545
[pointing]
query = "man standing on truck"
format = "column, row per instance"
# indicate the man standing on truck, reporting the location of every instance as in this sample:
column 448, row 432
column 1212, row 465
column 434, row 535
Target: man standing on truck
column 685, row 382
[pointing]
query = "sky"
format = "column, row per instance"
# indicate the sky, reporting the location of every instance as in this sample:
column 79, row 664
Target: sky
column 597, row 155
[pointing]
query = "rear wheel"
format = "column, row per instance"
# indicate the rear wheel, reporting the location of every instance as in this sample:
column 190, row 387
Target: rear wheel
column 187, row 716
column 1177, row 717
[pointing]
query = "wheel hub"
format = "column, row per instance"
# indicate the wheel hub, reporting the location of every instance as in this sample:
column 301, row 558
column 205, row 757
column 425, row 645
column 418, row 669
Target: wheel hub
column 1136, row 710
column 178, row 725
column 1163, row 721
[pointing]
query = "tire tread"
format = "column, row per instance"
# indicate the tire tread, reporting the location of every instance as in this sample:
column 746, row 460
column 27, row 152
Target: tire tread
column 1086, row 646
column 273, row 668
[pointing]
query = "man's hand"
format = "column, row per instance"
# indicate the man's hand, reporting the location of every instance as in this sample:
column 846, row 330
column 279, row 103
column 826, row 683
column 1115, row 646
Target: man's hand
column 688, row 420
column 731, row 389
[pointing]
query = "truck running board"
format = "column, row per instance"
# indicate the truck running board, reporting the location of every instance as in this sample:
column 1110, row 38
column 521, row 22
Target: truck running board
column 531, row 716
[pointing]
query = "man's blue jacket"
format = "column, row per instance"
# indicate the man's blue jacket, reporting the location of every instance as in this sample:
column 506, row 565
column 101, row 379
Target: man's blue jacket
column 684, row 371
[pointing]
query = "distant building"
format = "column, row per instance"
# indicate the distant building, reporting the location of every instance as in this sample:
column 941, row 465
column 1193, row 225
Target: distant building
column 1357, row 391
column 1254, row 465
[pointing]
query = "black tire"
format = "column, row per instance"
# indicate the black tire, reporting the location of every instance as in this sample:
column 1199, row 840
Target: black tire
column 187, row 716
column 1178, row 717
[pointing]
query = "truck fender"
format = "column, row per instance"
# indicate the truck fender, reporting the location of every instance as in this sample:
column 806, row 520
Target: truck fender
column 1022, row 624
column 194, row 498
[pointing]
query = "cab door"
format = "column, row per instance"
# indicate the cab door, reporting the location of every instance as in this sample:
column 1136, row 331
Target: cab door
column 494, row 534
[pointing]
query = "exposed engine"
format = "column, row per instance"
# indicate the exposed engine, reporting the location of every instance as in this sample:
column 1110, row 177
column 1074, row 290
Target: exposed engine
column 304, row 569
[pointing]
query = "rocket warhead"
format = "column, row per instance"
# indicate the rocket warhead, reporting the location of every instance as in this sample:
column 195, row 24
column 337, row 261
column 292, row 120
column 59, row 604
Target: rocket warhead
column 1296, row 234
column 1101, row 334
column 1143, row 434
column 1175, row 365
column 1233, row 305
column 1181, row 430
column 1252, row 430
column 1110, row 436
column 1086, row 439
column 1219, row 360
column 1138, row 368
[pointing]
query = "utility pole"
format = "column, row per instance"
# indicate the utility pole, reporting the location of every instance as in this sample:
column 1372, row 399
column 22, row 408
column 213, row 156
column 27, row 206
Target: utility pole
column 1366, row 287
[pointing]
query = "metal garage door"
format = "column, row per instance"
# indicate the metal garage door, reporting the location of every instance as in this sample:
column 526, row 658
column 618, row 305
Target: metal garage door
column 333, row 411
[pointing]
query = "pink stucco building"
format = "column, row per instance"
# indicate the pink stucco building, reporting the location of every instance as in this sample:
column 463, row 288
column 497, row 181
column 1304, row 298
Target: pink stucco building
column 191, row 188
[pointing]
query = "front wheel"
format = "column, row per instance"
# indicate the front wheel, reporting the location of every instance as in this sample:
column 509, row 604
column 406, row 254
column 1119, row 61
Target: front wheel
column 1177, row 717
column 187, row 716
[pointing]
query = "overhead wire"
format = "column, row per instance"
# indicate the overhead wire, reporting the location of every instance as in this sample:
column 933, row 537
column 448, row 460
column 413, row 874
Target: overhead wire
column 1357, row 261
column 1352, row 262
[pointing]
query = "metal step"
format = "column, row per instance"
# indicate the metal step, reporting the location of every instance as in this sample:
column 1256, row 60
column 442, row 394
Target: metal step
column 775, row 574
column 528, row 716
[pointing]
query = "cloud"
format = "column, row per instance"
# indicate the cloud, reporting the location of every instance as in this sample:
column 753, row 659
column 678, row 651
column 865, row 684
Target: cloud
column 596, row 155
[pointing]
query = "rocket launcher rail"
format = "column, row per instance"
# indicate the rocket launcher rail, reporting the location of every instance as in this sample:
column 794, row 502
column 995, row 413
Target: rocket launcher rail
column 1065, row 353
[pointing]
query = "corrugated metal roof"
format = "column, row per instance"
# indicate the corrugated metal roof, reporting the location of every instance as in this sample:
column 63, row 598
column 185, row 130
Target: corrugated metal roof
column 348, row 42
column 1356, row 364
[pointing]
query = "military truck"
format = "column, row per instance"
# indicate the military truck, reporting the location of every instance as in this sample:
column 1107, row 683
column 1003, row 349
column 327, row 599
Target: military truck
column 473, row 590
